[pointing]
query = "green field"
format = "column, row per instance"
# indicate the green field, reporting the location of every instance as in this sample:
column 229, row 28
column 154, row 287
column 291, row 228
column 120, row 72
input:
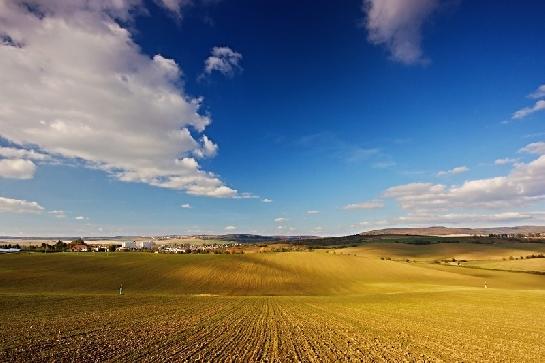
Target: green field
column 343, row 304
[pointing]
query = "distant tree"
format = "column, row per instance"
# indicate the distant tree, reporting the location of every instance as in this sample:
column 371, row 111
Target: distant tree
column 112, row 248
column 60, row 246
column 77, row 241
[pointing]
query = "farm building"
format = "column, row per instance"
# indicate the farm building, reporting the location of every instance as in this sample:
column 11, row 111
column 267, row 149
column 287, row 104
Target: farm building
column 10, row 250
column 79, row 248
column 146, row 245
column 129, row 245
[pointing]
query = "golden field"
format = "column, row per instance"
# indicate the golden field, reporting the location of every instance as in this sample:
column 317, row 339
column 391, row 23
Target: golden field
column 327, row 305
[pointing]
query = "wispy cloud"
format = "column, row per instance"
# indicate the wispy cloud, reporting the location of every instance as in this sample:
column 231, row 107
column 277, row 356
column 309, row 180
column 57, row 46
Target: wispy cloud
column 522, row 186
column 372, row 204
column 397, row 24
column 245, row 195
column 174, row 6
column 534, row 148
column 19, row 153
column 313, row 212
column 527, row 111
column 538, row 93
column 223, row 60
column 57, row 213
column 539, row 105
column 186, row 206
column 9, row 205
column 331, row 146
column 505, row 161
column 454, row 171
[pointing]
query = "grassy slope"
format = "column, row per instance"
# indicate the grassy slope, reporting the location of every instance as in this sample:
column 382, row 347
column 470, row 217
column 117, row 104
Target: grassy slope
column 296, row 273
column 460, row 251
column 528, row 265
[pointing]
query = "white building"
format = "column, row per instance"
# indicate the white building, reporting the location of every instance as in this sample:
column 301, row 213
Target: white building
column 128, row 245
column 146, row 245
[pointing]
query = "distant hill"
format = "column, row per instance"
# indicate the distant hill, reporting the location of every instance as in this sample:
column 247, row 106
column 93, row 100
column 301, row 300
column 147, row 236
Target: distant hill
column 446, row 231
column 253, row 238
column 440, row 232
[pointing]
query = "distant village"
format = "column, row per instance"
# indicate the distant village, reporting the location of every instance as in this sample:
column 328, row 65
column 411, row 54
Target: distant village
column 195, row 244
column 79, row 245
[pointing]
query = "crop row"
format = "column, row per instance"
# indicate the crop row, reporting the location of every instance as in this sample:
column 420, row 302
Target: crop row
column 462, row 326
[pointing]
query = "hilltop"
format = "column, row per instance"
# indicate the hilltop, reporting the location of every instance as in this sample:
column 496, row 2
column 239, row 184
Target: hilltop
column 445, row 231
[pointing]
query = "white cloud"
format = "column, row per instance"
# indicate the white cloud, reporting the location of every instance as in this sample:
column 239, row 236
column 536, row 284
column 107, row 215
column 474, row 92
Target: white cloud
column 534, row 148
column 230, row 228
column 175, row 6
column 57, row 213
column 526, row 111
column 397, row 24
column 246, row 195
column 81, row 218
column 505, row 161
column 8, row 205
column 207, row 150
column 523, row 185
column 16, row 153
column 313, row 212
column 223, row 60
column 266, row 200
column 539, row 92
column 280, row 220
column 426, row 219
column 75, row 84
column 454, row 171
column 186, row 206
column 372, row 204
column 17, row 169
column 456, row 219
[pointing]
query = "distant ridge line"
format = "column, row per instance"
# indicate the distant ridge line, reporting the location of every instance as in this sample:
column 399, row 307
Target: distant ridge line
column 445, row 231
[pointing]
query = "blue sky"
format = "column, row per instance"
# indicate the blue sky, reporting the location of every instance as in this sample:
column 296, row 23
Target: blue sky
column 310, row 117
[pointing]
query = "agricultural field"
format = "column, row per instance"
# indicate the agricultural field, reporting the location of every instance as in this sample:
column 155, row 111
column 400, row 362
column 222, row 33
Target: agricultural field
column 438, row 251
column 532, row 265
column 326, row 305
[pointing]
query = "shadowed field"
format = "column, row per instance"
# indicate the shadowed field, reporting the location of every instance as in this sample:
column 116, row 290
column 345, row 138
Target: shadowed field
column 298, row 306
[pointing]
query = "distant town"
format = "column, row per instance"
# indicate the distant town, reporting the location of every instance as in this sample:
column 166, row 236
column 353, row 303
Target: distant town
column 159, row 245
